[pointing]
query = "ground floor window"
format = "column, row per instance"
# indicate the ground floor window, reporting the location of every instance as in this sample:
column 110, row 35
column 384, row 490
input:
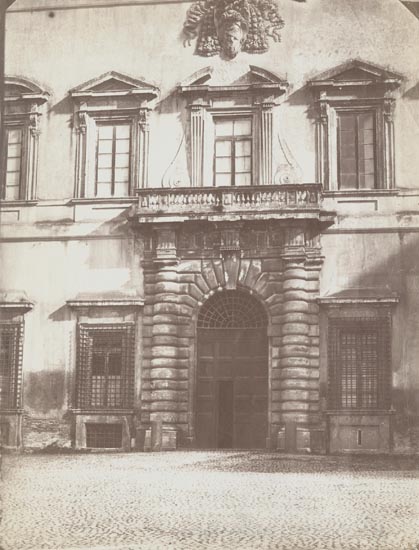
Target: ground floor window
column 359, row 361
column 104, row 436
column 105, row 374
column 11, row 348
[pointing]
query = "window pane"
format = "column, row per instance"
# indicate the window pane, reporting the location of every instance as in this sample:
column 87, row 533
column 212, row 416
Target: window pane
column 123, row 131
column 223, row 165
column 114, row 363
column 122, row 145
column 13, row 164
column 222, row 180
column 104, row 161
column 105, row 132
column 223, row 148
column 223, row 127
column 347, row 181
column 104, row 175
column 242, row 127
column 98, row 364
column 122, row 175
column 243, row 179
column 104, row 190
column 14, row 135
column 122, row 160
column 14, row 150
column 12, row 193
column 366, row 121
column 243, row 148
column 243, row 164
column 105, row 146
column 367, row 181
column 347, row 122
column 121, row 189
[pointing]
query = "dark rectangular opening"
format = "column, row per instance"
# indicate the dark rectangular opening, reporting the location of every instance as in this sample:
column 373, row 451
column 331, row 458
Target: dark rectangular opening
column 104, row 436
column 225, row 414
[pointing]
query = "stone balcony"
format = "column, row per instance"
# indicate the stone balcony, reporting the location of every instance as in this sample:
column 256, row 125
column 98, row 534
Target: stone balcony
column 302, row 201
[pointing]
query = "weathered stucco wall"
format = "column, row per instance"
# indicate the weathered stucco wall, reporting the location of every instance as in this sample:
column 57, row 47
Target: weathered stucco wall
column 74, row 46
column 56, row 250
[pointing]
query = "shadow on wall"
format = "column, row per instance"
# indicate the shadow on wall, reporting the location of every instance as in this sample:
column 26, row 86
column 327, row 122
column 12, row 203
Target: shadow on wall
column 45, row 390
column 400, row 273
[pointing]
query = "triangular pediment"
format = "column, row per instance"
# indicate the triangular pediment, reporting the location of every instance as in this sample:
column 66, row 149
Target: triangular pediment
column 114, row 83
column 357, row 72
column 253, row 78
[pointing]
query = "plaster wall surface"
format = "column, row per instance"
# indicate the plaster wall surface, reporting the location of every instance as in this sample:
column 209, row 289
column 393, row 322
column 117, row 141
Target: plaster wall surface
column 76, row 45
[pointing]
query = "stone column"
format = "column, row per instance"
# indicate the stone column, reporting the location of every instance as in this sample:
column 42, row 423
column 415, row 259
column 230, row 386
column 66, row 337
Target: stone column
column 265, row 175
column 197, row 144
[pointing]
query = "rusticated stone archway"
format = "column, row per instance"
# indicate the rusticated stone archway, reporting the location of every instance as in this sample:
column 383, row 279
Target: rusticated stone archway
column 181, row 274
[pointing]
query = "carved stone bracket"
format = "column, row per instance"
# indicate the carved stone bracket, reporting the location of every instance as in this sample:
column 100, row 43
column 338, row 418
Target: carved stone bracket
column 164, row 245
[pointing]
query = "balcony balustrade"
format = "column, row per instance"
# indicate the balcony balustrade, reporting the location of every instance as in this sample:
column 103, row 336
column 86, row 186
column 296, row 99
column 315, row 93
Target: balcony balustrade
column 213, row 203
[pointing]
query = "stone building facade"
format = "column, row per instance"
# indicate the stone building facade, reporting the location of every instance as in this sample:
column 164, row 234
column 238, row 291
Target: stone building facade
column 209, row 235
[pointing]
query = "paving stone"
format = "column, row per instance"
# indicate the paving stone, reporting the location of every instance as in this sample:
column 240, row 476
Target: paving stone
column 238, row 500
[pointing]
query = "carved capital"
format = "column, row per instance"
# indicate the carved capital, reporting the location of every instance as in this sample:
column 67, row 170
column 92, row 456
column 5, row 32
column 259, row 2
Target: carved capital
column 388, row 109
column 143, row 119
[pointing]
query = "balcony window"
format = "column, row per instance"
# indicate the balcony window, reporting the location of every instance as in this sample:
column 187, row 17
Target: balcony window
column 233, row 151
column 113, row 160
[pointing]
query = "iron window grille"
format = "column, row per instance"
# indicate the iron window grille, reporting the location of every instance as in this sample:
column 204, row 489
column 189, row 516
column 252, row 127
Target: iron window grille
column 105, row 374
column 103, row 436
column 232, row 309
column 359, row 360
column 11, row 355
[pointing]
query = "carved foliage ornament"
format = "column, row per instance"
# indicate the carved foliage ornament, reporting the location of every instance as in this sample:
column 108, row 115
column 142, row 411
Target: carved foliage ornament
column 231, row 26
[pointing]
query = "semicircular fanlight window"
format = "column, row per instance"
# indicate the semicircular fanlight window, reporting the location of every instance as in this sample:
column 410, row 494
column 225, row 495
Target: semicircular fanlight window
column 232, row 309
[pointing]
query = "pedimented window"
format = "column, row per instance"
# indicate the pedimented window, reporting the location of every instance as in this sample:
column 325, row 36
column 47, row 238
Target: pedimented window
column 111, row 119
column 231, row 127
column 355, row 133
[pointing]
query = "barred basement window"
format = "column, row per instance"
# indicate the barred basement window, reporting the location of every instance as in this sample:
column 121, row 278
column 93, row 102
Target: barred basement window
column 232, row 309
column 104, row 436
column 105, row 376
column 11, row 350
column 359, row 363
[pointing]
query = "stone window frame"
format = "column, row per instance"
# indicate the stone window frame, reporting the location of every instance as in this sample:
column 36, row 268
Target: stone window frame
column 111, row 98
column 355, row 87
column 205, row 102
column 23, row 109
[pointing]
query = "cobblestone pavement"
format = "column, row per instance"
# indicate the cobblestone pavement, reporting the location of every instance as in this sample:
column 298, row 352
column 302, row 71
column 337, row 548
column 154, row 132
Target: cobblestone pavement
column 208, row 500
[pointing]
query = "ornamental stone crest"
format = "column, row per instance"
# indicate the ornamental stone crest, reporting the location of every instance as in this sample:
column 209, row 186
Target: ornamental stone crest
column 227, row 27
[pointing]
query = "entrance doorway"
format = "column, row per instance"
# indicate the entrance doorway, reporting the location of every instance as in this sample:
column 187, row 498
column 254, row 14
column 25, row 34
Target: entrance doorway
column 232, row 373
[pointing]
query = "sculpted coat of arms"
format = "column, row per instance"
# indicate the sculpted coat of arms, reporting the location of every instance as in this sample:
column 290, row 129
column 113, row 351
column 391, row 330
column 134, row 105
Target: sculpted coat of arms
column 227, row 27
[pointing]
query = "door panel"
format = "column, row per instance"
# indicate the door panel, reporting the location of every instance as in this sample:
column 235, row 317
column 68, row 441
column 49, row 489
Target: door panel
column 232, row 388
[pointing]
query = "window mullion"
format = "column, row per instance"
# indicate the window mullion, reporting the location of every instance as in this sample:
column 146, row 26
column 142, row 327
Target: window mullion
column 113, row 161
column 357, row 151
column 233, row 161
column 106, row 379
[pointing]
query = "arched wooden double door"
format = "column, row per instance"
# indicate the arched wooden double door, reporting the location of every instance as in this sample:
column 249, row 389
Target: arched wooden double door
column 232, row 373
